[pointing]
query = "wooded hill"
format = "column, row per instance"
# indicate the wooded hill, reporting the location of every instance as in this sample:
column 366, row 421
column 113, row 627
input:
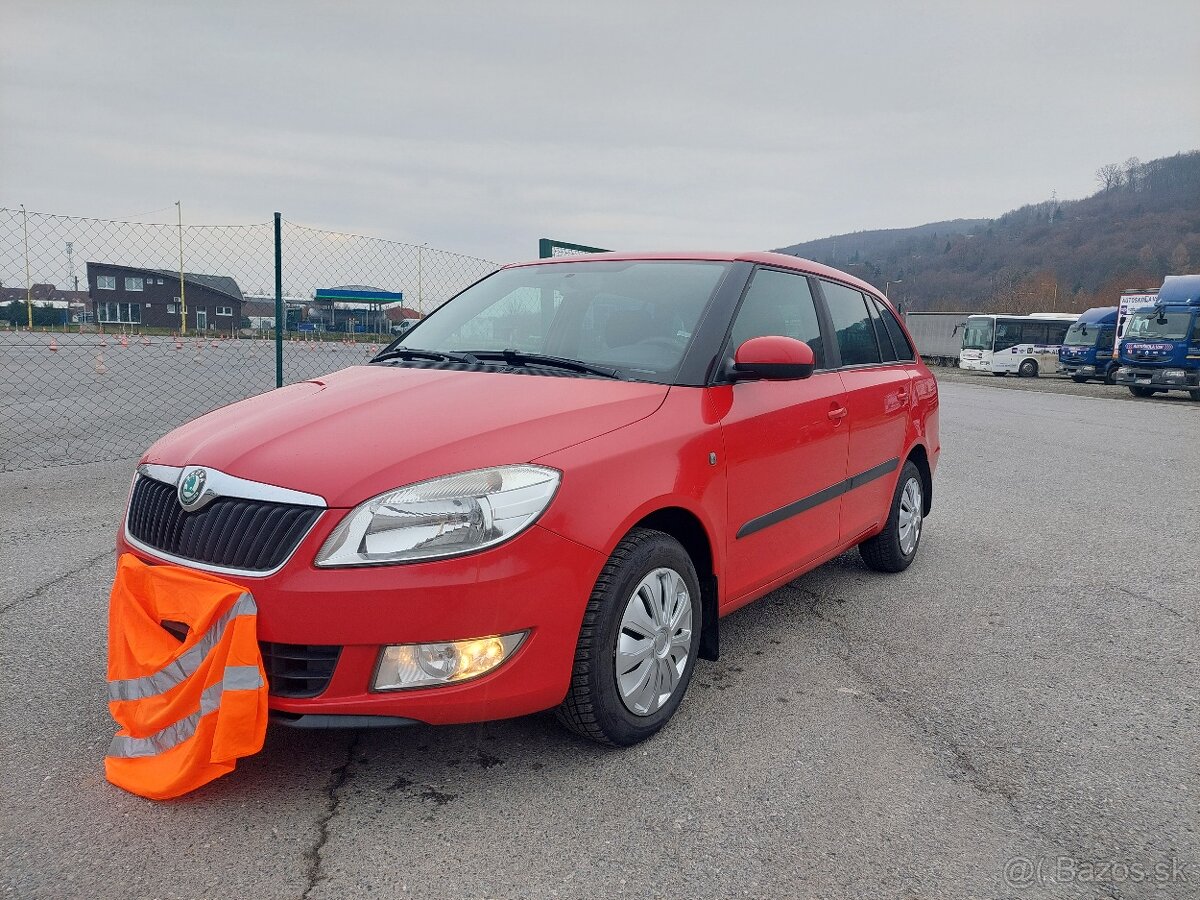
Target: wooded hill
column 1142, row 224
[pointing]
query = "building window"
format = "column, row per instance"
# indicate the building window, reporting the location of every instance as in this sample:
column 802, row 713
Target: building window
column 120, row 313
column 160, row 281
column 172, row 308
column 106, row 282
column 133, row 284
column 224, row 310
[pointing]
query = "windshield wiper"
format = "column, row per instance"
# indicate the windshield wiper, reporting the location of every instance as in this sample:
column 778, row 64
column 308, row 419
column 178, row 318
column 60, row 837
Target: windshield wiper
column 434, row 355
column 520, row 358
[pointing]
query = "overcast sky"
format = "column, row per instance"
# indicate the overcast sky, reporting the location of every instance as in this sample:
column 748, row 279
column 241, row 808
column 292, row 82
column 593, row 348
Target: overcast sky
column 480, row 127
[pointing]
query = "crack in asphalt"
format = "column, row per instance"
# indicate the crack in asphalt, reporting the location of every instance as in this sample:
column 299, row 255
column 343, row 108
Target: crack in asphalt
column 42, row 589
column 883, row 694
column 959, row 752
column 314, row 855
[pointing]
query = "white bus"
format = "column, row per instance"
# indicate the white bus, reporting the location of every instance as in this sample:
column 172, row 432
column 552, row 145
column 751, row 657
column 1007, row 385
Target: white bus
column 1025, row 345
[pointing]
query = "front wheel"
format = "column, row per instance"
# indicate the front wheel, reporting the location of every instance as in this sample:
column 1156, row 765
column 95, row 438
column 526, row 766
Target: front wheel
column 1110, row 377
column 638, row 643
column 1195, row 395
column 894, row 548
column 1140, row 391
column 1079, row 379
column 1028, row 369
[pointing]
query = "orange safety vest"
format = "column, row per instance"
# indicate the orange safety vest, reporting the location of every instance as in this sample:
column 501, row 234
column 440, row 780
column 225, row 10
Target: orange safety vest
column 187, row 710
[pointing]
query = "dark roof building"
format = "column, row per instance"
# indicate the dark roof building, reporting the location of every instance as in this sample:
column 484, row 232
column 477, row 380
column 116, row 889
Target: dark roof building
column 44, row 293
column 129, row 295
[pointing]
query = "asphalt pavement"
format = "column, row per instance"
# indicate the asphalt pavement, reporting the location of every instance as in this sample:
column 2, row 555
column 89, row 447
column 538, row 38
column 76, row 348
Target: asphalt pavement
column 1014, row 716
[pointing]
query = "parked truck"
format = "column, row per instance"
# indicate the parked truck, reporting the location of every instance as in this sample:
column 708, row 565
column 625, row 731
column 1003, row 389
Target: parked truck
column 1160, row 349
column 1087, row 350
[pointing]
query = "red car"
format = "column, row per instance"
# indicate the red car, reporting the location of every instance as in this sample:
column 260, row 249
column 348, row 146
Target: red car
column 547, row 493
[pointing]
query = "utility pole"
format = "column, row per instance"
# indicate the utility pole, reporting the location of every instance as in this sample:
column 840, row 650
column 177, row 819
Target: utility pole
column 28, row 287
column 182, row 295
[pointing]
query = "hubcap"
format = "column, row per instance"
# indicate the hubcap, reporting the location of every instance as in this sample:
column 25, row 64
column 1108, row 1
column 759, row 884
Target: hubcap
column 654, row 642
column 911, row 513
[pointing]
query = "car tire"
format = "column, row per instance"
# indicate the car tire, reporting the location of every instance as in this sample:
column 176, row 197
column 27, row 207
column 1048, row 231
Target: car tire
column 632, row 602
column 1110, row 377
column 1000, row 374
column 1139, row 391
column 1195, row 395
column 894, row 548
column 1079, row 379
column 1028, row 369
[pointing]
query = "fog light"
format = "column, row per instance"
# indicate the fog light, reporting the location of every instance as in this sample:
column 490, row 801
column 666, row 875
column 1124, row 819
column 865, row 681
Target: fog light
column 428, row 665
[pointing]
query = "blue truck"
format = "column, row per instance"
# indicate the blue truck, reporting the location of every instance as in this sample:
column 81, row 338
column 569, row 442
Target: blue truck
column 1160, row 350
column 1087, row 350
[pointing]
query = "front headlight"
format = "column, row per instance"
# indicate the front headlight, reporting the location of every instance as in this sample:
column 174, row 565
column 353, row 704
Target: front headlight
column 445, row 516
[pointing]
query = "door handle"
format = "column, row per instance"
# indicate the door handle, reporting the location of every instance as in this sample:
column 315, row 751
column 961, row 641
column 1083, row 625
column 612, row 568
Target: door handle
column 837, row 412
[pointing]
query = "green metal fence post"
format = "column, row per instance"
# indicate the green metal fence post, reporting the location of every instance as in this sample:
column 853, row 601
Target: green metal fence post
column 280, row 320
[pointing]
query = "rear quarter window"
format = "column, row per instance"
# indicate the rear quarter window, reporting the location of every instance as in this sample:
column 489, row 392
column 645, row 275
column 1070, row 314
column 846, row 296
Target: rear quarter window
column 852, row 323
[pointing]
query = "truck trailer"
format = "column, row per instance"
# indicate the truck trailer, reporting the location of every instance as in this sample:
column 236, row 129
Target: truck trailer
column 938, row 335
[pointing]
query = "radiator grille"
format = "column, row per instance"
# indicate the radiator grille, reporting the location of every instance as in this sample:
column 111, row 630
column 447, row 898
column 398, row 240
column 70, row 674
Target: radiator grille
column 251, row 535
column 298, row 670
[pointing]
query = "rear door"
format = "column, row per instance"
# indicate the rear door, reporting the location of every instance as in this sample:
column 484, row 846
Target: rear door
column 878, row 400
column 785, row 444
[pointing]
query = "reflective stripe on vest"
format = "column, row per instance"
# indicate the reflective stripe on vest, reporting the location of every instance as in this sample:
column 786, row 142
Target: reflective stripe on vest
column 180, row 670
column 236, row 678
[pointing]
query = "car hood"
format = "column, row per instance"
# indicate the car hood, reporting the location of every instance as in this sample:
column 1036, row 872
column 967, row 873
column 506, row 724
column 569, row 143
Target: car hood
column 364, row 430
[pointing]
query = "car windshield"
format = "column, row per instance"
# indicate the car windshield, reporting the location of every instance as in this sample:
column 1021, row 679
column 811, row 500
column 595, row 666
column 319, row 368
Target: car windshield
column 635, row 318
column 978, row 334
column 1081, row 334
column 1159, row 326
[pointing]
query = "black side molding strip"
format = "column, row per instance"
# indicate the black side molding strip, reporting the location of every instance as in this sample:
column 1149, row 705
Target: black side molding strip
column 821, row 496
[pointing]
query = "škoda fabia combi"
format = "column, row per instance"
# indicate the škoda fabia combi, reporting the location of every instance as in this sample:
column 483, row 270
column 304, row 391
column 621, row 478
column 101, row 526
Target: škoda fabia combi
column 547, row 493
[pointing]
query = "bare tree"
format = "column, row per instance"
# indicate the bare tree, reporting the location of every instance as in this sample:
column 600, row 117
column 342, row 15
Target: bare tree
column 1133, row 172
column 1110, row 176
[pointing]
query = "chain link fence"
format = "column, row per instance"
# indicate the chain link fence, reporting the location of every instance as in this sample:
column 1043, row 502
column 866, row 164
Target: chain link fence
column 113, row 333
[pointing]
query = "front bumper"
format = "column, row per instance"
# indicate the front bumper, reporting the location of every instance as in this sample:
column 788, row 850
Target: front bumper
column 538, row 582
column 1183, row 380
column 1074, row 368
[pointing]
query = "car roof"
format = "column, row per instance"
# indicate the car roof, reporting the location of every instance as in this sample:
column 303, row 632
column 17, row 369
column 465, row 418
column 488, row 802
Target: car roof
column 758, row 257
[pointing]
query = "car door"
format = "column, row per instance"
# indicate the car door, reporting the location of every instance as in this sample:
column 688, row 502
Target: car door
column 878, row 399
column 785, row 444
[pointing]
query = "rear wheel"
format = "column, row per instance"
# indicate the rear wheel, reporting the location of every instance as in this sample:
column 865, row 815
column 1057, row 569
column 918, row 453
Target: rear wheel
column 638, row 643
column 1028, row 369
column 1138, row 391
column 894, row 548
column 1000, row 374
column 1079, row 379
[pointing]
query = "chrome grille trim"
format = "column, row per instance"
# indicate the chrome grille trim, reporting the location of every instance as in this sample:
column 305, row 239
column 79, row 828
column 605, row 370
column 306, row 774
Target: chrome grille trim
column 224, row 485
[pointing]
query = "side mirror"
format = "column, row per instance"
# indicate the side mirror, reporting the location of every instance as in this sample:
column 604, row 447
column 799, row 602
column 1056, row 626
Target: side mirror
column 773, row 357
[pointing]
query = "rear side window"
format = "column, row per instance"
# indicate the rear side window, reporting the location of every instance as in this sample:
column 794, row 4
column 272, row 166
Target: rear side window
column 855, row 333
column 885, row 342
column 904, row 349
column 782, row 304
